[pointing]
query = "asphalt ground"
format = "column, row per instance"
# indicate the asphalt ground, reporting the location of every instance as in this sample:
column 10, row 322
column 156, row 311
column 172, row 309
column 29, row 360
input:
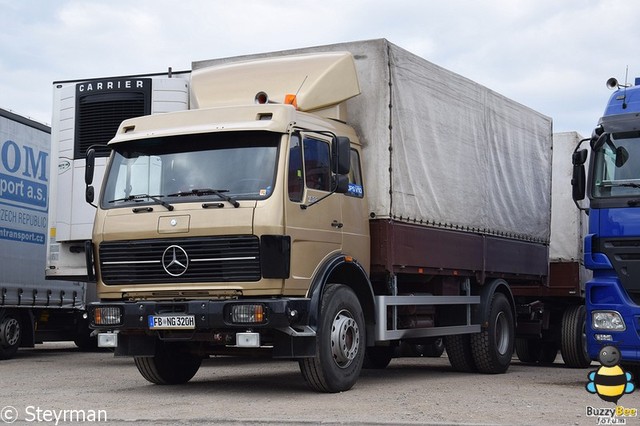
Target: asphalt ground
column 55, row 383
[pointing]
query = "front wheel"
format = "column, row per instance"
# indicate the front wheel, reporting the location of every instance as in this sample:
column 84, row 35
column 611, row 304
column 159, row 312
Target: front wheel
column 493, row 347
column 169, row 366
column 10, row 332
column 83, row 338
column 340, row 345
column 574, row 338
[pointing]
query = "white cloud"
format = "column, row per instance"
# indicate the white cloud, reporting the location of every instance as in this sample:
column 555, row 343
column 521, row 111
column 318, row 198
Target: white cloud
column 549, row 55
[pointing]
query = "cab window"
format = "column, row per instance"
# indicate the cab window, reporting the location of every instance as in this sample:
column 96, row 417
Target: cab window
column 295, row 174
column 317, row 164
column 355, row 176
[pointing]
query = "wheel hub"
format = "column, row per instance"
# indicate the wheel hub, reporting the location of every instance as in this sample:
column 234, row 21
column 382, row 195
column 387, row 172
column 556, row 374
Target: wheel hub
column 345, row 339
column 502, row 333
column 9, row 332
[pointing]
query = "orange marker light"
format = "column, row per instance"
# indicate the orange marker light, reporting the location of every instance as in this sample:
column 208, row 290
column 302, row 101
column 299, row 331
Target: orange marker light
column 291, row 100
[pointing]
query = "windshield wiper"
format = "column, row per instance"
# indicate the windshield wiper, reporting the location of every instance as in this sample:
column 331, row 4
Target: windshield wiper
column 151, row 197
column 208, row 191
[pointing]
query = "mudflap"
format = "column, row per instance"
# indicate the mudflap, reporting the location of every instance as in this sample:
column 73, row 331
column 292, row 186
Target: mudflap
column 294, row 346
column 136, row 345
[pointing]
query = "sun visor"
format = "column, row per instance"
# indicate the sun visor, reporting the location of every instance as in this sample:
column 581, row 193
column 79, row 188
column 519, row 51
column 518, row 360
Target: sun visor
column 620, row 123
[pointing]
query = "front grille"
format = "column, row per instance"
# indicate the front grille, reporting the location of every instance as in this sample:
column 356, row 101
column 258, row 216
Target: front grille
column 624, row 254
column 188, row 260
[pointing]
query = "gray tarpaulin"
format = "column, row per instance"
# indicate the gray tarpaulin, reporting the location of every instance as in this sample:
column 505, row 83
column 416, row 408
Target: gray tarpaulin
column 442, row 150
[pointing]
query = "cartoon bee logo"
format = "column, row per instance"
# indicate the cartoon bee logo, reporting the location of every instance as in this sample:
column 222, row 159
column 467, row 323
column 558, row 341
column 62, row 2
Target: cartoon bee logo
column 610, row 381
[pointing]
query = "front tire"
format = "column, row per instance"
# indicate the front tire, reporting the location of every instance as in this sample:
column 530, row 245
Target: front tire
column 574, row 339
column 83, row 338
column 10, row 334
column 169, row 366
column 493, row 347
column 340, row 344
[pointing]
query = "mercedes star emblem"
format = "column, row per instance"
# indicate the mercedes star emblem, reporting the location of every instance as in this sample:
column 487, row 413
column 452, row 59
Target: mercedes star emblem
column 175, row 261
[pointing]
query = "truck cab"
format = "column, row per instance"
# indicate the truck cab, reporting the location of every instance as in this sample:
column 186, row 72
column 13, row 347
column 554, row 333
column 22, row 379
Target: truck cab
column 222, row 216
column 612, row 246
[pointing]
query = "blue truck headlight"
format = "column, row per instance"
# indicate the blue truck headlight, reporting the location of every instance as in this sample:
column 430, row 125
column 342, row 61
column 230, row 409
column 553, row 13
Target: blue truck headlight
column 607, row 320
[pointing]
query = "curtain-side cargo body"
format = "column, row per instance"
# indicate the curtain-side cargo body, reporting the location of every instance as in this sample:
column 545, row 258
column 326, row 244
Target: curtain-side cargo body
column 32, row 310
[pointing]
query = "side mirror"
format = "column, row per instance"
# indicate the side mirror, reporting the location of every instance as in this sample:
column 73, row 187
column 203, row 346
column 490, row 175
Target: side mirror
column 578, row 178
column 341, row 155
column 341, row 184
column 90, row 166
column 622, row 155
column 89, row 194
column 579, row 157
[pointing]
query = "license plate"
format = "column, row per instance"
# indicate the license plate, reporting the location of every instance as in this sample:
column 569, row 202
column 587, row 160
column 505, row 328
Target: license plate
column 170, row 322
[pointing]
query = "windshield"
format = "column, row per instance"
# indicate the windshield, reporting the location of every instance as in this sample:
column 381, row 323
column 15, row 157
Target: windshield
column 616, row 167
column 213, row 166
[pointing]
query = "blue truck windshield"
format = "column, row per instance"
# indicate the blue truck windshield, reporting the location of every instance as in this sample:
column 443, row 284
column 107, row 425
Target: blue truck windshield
column 240, row 165
column 616, row 167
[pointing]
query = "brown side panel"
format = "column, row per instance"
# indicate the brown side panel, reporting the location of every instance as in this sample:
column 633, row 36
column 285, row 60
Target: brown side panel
column 564, row 281
column 565, row 275
column 400, row 247
column 507, row 256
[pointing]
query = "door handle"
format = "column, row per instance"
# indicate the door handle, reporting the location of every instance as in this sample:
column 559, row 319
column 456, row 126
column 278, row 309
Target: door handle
column 337, row 224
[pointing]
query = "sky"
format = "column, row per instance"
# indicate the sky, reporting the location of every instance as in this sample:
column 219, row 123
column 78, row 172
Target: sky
column 550, row 55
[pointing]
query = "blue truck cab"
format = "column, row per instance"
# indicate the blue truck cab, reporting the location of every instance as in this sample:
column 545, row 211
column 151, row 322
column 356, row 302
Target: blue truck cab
column 612, row 245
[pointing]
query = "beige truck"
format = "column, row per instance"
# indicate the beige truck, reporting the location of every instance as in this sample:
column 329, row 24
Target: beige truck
column 323, row 205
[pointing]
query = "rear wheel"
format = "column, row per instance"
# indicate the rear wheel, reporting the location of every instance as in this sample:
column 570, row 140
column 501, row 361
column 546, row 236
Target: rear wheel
column 532, row 351
column 459, row 352
column 340, row 344
column 528, row 350
column 492, row 348
column 634, row 369
column 433, row 347
column 574, row 338
column 548, row 353
column 378, row 357
column 433, row 350
column 10, row 333
column 169, row 366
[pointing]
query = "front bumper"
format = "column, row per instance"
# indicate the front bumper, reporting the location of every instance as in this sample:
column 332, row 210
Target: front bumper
column 283, row 326
column 605, row 294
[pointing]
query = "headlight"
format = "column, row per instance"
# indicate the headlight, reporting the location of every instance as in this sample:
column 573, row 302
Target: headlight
column 107, row 315
column 248, row 314
column 607, row 320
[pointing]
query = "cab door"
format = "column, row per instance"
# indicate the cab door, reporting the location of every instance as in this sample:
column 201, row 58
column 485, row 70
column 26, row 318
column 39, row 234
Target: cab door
column 315, row 229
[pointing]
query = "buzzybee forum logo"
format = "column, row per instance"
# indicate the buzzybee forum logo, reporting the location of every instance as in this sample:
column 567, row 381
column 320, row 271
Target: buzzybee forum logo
column 610, row 382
